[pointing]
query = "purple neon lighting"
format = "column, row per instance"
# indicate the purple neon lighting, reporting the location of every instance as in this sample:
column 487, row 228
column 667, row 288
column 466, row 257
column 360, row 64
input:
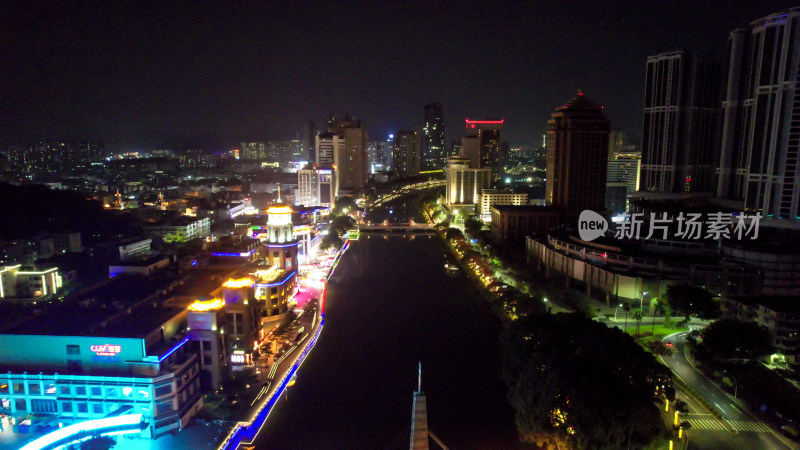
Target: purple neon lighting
column 173, row 349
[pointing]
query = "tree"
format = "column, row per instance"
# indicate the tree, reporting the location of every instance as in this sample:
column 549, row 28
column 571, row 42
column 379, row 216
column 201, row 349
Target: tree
column 546, row 359
column 341, row 224
column 692, row 300
column 473, row 226
column 344, row 204
column 667, row 315
column 331, row 240
column 453, row 233
column 637, row 315
column 730, row 338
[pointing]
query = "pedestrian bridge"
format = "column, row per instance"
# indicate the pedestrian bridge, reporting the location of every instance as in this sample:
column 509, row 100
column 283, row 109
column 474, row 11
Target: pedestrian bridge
column 400, row 228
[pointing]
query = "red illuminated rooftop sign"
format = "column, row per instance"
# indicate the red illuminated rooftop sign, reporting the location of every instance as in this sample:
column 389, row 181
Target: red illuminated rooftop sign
column 472, row 123
column 106, row 349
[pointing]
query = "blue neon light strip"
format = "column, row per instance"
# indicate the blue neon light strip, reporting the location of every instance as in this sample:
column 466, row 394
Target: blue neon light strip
column 128, row 423
column 281, row 246
column 247, row 433
column 278, row 283
column 235, row 254
column 173, row 349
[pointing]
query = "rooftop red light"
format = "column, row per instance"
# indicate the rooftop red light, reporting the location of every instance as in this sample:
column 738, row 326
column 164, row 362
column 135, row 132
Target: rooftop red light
column 496, row 122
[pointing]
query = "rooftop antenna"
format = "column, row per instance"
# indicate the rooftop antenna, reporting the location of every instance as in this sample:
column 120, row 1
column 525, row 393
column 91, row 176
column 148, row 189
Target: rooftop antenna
column 279, row 192
column 419, row 379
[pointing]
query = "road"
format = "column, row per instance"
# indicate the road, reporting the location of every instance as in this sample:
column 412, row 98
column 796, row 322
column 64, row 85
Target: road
column 738, row 429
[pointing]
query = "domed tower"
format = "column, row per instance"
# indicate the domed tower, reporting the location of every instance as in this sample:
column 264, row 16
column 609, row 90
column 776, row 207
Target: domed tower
column 281, row 244
column 577, row 155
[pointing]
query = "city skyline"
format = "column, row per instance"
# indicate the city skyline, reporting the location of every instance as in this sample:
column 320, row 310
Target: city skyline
column 209, row 76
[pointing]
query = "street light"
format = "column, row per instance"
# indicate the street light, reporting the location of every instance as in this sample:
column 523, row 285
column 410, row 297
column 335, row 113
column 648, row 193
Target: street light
column 617, row 310
column 641, row 300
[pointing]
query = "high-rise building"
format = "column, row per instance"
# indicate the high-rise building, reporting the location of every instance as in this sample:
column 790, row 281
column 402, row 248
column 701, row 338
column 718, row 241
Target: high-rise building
column 681, row 122
column 344, row 148
column 577, row 156
column 433, row 146
column 455, row 149
column 328, row 145
column 351, row 165
column 488, row 134
column 464, row 184
column 385, row 152
column 55, row 156
column 625, row 168
column 311, row 141
column 616, row 142
column 406, row 153
column 760, row 157
column 471, row 149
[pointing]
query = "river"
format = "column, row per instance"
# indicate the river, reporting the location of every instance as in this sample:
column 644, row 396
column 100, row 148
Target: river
column 389, row 305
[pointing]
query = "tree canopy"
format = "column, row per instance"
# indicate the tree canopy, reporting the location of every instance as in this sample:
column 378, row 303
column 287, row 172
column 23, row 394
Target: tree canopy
column 343, row 203
column 692, row 300
column 453, row 233
column 566, row 386
column 730, row 338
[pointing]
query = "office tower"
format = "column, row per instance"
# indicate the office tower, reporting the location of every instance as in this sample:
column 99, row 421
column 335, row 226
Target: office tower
column 577, row 156
column 471, row 149
column 406, row 153
column 385, row 152
column 329, row 145
column 311, row 141
column 681, row 122
column 455, row 149
column 625, row 168
column 253, row 150
column 488, row 134
column 463, row 183
column 760, row 157
column 352, row 164
column 433, row 147
column 616, row 142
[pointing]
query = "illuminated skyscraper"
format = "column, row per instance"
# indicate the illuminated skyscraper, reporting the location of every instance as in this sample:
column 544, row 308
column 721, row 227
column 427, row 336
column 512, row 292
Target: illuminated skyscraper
column 406, row 153
column 577, row 156
column 487, row 133
column 433, row 146
column 760, row 158
column 681, row 122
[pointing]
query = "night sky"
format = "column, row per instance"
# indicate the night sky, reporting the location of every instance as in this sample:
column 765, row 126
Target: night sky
column 206, row 75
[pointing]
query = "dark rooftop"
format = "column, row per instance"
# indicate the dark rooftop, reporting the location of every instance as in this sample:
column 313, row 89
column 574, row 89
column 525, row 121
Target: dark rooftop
column 786, row 304
column 525, row 208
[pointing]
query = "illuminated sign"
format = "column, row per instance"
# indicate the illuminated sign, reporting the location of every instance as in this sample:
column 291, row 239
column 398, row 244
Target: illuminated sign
column 301, row 229
column 207, row 305
column 106, row 349
column 238, row 283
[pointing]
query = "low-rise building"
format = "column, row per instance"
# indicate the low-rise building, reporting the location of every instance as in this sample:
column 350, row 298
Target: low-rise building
column 16, row 283
column 181, row 229
column 779, row 315
column 491, row 197
column 100, row 363
column 625, row 273
column 512, row 223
